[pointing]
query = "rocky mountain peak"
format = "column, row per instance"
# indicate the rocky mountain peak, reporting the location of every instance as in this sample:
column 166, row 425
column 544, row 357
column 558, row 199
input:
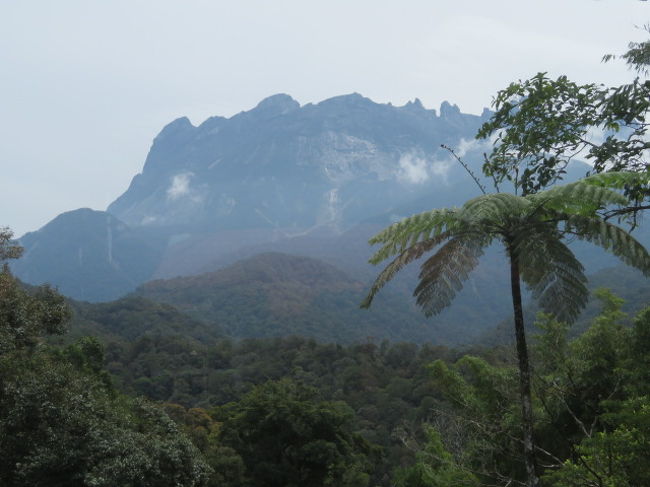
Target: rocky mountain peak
column 179, row 126
column 275, row 105
column 415, row 104
column 309, row 165
column 349, row 100
column 449, row 111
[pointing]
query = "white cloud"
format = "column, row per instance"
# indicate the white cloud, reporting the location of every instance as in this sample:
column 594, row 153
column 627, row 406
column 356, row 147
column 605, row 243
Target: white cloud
column 148, row 220
column 180, row 186
column 441, row 169
column 466, row 146
column 413, row 169
column 417, row 170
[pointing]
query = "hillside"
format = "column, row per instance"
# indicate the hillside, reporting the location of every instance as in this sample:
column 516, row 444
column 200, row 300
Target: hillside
column 89, row 255
column 134, row 317
column 273, row 294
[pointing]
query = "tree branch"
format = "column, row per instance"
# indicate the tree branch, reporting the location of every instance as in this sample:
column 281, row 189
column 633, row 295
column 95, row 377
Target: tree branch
column 466, row 167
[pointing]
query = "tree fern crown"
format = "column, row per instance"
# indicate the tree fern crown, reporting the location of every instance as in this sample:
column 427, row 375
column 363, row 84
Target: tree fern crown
column 532, row 229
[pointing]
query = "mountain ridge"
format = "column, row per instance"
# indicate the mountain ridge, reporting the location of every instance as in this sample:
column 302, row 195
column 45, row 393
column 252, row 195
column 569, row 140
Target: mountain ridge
column 324, row 145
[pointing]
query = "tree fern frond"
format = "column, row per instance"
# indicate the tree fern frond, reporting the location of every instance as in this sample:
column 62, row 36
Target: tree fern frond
column 578, row 198
column 443, row 274
column 565, row 297
column 492, row 207
column 400, row 235
column 553, row 274
column 612, row 238
column 410, row 254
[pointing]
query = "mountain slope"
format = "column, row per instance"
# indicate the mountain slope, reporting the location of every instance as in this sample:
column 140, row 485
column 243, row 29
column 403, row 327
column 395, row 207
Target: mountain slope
column 276, row 294
column 133, row 317
column 286, row 167
column 89, row 255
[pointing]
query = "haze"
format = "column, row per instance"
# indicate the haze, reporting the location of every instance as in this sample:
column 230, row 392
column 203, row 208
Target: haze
column 86, row 85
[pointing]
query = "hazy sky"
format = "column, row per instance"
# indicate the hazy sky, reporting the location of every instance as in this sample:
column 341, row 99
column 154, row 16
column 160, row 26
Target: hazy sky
column 85, row 85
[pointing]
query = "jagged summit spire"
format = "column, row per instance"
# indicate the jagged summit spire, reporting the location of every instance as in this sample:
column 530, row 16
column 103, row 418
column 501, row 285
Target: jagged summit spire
column 415, row 103
column 447, row 110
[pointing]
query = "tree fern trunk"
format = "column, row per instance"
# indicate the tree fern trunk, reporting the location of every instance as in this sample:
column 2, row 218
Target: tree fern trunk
column 524, row 376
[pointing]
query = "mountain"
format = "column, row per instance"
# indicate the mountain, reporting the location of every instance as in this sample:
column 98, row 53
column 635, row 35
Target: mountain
column 282, row 174
column 89, row 255
column 315, row 180
column 275, row 294
column 278, row 177
column 288, row 169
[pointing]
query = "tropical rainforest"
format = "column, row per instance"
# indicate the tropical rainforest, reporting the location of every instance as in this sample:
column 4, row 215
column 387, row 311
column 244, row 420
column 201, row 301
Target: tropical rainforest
column 136, row 393
column 168, row 409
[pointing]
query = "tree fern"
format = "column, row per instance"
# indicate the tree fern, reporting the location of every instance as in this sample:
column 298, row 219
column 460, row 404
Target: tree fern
column 535, row 224
column 532, row 229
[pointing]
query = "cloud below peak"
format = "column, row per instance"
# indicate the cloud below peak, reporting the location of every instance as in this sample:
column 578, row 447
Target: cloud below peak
column 180, row 186
column 417, row 170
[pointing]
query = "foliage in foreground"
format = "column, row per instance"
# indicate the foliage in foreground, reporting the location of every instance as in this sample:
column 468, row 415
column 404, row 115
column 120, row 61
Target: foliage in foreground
column 541, row 125
column 61, row 421
column 437, row 414
column 288, row 437
column 591, row 399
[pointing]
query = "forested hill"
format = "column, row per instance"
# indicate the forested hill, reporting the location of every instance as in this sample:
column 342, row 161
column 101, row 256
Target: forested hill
column 135, row 317
column 274, row 294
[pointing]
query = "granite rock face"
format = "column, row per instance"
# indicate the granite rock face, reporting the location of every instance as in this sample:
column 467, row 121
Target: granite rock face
column 283, row 166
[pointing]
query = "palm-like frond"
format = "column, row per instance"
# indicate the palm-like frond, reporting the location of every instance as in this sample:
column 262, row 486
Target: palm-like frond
column 491, row 210
column 610, row 237
column 410, row 254
column 552, row 272
column 423, row 226
column 443, row 274
column 414, row 236
column 577, row 198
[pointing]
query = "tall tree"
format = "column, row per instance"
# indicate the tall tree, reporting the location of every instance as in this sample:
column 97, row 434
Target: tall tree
column 8, row 249
column 541, row 124
column 532, row 229
column 288, row 438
